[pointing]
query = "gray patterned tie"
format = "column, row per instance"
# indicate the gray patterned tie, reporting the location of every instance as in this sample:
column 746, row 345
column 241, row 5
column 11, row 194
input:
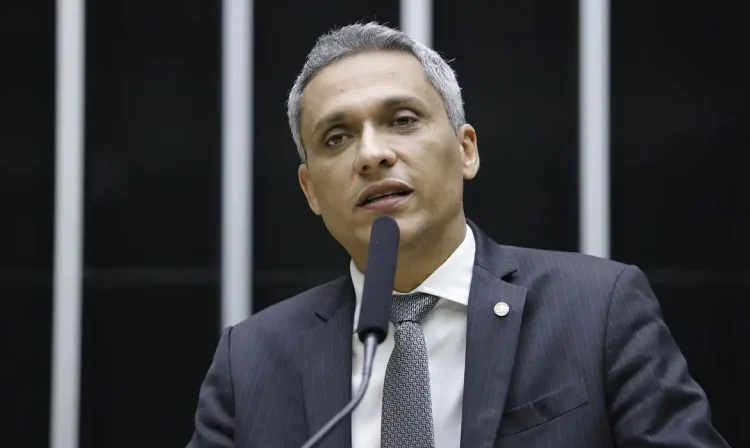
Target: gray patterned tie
column 407, row 404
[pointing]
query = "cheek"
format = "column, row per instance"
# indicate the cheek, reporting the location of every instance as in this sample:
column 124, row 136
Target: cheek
column 446, row 177
column 448, row 164
column 331, row 191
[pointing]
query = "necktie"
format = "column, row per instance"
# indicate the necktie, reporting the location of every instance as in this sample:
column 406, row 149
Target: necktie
column 407, row 404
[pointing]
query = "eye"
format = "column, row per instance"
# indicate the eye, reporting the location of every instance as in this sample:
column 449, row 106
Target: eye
column 336, row 139
column 404, row 121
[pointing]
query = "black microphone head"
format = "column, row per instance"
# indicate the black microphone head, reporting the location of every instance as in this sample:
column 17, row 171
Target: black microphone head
column 380, row 274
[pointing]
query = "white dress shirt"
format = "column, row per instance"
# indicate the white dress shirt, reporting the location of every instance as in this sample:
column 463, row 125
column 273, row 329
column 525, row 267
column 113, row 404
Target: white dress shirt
column 445, row 334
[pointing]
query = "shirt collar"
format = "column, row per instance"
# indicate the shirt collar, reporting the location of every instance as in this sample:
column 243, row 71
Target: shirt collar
column 451, row 281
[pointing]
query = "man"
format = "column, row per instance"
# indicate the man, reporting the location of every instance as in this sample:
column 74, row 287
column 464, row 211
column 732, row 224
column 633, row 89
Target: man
column 507, row 347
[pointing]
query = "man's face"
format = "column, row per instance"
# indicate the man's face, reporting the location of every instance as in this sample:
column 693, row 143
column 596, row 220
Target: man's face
column 371, row 125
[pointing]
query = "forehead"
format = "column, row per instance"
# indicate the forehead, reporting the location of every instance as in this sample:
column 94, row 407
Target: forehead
column 362, row 80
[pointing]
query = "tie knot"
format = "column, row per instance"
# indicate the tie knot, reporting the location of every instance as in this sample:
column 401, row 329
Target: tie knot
column 411, row 307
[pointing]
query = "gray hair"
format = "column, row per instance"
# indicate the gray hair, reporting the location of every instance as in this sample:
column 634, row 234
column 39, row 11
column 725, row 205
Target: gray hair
column 356, row 38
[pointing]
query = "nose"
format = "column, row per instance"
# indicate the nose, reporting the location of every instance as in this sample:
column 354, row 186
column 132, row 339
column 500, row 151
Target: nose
column 374, row 154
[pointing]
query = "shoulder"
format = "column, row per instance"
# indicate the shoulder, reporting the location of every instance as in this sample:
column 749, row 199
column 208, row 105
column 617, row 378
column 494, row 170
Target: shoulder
column 565, row 266
column 552, row 267
column 295, row 314
column 578, row 280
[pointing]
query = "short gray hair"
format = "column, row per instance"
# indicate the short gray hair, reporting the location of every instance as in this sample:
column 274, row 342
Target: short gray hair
column 356, row 38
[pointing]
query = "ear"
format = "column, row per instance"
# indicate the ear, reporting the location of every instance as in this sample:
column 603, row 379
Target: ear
column 467, row 138
column 307, row 187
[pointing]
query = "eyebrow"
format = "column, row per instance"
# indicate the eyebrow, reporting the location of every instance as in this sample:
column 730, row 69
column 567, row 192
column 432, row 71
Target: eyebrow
column 390, row 102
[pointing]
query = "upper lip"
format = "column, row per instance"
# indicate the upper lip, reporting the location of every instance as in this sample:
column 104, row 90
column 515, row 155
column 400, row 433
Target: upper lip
column 383, row 187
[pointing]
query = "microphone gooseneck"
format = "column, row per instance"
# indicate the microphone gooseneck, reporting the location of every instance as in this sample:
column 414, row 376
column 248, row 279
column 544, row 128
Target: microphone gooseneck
column 371, row 343
column 375, row 309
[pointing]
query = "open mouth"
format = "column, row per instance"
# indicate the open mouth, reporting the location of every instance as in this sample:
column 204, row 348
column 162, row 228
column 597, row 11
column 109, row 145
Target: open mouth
column 385, row 196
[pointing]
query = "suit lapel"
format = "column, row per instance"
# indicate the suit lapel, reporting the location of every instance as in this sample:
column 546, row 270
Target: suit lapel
column 491, row 343
column 327, row 370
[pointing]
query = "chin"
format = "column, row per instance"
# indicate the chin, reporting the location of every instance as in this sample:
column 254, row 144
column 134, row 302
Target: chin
column 411, row 229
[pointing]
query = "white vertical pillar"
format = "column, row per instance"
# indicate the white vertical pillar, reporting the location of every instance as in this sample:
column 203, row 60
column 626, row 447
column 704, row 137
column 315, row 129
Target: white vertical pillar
column 416, row 20
column 66, row 331
column 237, row 170
column 594, row 175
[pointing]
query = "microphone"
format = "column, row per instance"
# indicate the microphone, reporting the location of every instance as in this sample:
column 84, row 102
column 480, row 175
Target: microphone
column 375, row 309
column 380, row 273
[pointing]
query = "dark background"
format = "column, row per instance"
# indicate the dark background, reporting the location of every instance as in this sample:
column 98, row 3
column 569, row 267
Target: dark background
column 680, row 196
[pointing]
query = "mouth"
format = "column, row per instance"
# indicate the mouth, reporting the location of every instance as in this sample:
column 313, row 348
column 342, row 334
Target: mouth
column 384, row 197
column 385, row 202
column 384, row 194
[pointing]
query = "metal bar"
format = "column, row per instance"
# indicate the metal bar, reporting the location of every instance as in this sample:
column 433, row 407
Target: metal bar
column 416, row 20
column 67, row 302
column 237, row 169
column 594, row 172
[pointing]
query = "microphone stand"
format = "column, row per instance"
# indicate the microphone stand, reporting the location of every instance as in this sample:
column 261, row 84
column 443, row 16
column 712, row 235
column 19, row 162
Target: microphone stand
column 371, row 344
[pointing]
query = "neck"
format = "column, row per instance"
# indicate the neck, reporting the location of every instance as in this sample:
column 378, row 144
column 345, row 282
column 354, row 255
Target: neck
column 419, row 259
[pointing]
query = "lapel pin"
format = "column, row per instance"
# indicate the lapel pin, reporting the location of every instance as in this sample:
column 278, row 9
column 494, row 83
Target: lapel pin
column 502, row 309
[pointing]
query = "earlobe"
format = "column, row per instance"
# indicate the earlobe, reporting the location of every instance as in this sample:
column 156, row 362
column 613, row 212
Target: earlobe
column 471, row 163
column 307, row 188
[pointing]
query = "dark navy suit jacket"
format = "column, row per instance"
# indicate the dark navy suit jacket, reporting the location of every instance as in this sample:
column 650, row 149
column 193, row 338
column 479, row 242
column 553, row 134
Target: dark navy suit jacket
column 582, row 360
